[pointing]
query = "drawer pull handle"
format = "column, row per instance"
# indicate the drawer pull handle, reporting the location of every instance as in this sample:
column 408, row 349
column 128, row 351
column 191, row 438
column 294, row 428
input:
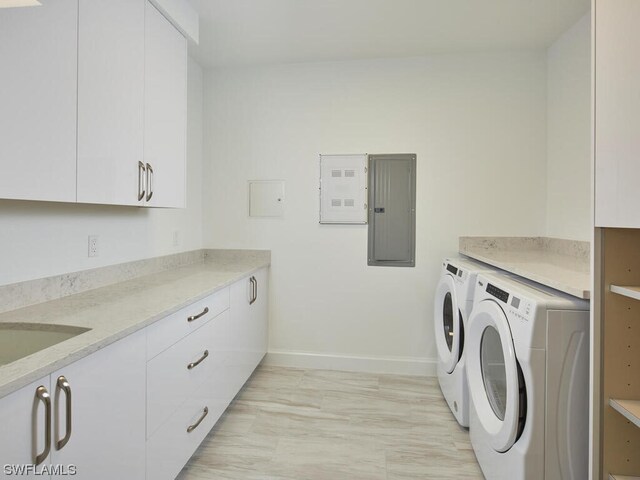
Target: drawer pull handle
column 201, row 314
column 43, row 396
column 191, row 428
column 195, row 364
column 63, row 385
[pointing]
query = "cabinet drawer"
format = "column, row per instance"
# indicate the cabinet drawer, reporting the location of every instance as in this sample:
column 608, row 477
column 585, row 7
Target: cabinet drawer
column 170, row 381
column 169, row 449
column 164, row 333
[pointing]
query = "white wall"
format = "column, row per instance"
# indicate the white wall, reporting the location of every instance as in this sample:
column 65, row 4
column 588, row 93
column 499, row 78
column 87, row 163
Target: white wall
column 39, row 239
column 569, row 134
column 478, row 125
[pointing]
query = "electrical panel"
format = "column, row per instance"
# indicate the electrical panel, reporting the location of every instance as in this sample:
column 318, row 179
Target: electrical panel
column 343, row 189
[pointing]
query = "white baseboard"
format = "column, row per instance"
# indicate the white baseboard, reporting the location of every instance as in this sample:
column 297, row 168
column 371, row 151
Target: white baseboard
column 424, row 367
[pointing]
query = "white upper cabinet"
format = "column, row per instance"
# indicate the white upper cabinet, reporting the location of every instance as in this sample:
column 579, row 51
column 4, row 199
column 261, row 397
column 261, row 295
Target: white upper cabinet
column 38, row 74
column 93, row 97
column 111, row 52
column 165, row 111
column 617, row 113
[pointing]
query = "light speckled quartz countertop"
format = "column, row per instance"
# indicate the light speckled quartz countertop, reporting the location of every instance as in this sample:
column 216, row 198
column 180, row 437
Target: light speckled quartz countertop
column 112, row 312
column 557, row 263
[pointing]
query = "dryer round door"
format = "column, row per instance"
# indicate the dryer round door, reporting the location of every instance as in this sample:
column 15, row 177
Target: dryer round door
column 448, row 323
column 493, row 375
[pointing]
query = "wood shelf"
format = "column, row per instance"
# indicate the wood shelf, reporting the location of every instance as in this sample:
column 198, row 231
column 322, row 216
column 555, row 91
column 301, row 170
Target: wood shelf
column 626, row 291
column 630, row 409
column 622, row 477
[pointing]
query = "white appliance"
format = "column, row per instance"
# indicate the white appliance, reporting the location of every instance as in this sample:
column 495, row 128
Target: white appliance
column 528, row 373
column 452, row 306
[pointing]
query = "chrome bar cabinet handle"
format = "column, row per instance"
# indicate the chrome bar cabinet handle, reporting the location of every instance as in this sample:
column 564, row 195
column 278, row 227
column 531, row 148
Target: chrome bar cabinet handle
column 254, row 290
column 196, row 317
column 63, row 385
column 191, row 428
column 199, row 361
column 149, row 182
column 255, row 295
column 141, row 172
column 42, row 394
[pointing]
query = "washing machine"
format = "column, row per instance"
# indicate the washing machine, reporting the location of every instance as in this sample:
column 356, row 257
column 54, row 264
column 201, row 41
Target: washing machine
column 452, row 306
column 528, row 374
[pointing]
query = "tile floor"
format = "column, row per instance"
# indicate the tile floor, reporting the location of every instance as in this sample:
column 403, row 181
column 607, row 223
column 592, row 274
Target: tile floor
column 289, row 424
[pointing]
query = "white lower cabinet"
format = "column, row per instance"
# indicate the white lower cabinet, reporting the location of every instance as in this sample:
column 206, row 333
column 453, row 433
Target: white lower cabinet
column 140, row 407
column 248, row 342
column 88, row 416
column 178, row 373
column 181, row 404
column 184, row 404
column 24, row 429
column 108, row 401
column 173, row 444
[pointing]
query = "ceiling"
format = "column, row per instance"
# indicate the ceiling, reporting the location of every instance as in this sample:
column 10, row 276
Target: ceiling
column 249, row 32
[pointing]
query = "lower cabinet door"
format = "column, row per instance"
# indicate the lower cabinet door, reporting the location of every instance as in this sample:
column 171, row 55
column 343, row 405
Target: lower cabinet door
column 259, row 311
column 104, row 394
column 240, row 359
column 248, row 337
column 23, row 432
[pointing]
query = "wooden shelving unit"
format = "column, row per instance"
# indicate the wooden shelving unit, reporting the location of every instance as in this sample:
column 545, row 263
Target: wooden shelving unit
column 617, row 353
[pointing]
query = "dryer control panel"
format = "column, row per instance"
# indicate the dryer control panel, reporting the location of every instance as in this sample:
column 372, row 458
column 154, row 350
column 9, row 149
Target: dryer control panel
column 458, row 273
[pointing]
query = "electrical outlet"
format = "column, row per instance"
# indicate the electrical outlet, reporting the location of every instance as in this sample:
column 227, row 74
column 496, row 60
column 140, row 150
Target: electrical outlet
column 176, row 238
column 93, row 245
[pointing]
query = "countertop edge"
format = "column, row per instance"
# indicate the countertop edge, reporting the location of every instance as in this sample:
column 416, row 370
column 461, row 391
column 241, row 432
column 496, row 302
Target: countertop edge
column 550, row 282
column 11, row 386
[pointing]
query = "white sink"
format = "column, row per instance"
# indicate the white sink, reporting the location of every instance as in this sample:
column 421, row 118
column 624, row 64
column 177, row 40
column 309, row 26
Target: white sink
column 18, row 340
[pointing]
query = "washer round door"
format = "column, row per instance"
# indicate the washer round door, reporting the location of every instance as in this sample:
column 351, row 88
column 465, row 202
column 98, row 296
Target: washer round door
column 495, row 382
column 448, row 323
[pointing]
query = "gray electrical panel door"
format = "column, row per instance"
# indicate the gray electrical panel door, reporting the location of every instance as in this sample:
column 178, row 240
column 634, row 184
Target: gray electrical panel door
column 392, row 210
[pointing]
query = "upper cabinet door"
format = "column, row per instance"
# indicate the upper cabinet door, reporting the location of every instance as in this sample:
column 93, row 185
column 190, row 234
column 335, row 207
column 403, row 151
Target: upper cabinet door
column 110, row 100
column 165, row 113
column 38, row 63
column 617, row 113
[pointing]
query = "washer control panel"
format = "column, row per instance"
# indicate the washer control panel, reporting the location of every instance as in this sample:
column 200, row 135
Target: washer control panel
column 516, row 306
column 520, row 308
column 498, row 293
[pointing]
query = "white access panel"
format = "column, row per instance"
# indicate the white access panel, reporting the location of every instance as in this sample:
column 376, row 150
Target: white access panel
column 266, row 198
column 343, row 189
